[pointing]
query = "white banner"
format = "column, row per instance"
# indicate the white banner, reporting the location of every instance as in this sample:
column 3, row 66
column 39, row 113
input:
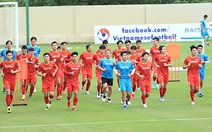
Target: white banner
column 147, row 32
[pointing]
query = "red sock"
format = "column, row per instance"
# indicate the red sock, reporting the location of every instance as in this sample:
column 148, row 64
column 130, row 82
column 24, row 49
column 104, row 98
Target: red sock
column 143, row 97
column 51, row 97
column 31, row 90
column 46, row 99
column 83, row 83
column 102, row 90
column 23, row 89
column 8, row 99
column 88, row 85
column 192, row 95
column 75, row 100
column 164, row 91
column 161, row 92
column 154, row 78
column 133, row 87
column 59, row 88
column 195, row 91
column 11, row 98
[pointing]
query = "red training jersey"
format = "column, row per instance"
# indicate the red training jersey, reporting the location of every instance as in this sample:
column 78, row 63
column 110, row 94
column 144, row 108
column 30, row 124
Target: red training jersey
column 117, row 54
column 73, row 67
column 193, row 69
column 160, row 60
column 31, row 66
column 144, row 69
column 154, row 51
column 135, row 59
column 139, row 52
column 98, row 51
column 22, row 57
column 7, row 67
column 57, row 56
column 66, row 55
column 87, row 61
column 97, row 58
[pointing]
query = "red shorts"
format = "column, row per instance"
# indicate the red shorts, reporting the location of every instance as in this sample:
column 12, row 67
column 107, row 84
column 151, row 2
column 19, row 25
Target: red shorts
column 194, row 82
column 145, row 85
column 48, row 87
column 72, row 86
column 155, row 69
column 98, row 75
column 9, row 85
column 31, row 79
column 86, row 74
column 163, row 78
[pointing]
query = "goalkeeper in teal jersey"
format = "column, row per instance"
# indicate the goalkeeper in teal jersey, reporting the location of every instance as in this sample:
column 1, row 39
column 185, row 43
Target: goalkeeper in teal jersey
column 124, row 70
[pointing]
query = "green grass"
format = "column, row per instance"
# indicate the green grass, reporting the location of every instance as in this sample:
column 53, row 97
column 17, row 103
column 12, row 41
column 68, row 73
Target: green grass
column 175, row 114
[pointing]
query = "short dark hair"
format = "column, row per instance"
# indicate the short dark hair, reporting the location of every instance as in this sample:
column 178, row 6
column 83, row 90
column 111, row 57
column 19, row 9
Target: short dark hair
column 54, row 42
column 145, row 53
column 44, row 54
column 193, row 47
column 123, row 52
column 199, row 46
column 62, row 43
column 127, row 41
column 87, row 46
column 9, row 41
column 119, row 42
column 156, row 38
column 58, row 47
column 74, row 53
column 9, row 51
column 104, row 42
column 161, row 47
column 24, row 47
column 133, row 47
column 31, row 49
column 138, row 41
column 102, row 47
column 33, row 38
column 205, row 16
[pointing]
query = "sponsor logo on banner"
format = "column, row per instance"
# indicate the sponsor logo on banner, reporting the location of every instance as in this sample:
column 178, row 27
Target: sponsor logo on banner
column 165, row 32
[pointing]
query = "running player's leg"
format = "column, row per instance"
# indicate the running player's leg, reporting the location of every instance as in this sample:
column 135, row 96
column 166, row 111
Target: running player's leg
column 89, row 77
column 69, row 90
column 75, row 100
column 110, row 85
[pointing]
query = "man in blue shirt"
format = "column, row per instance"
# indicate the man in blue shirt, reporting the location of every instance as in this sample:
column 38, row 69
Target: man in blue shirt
column 124, row 70
column 3, row 54
column 106, row 65
column 36, row 50
column 204, row 31
column 35, row 47
column 205, row 60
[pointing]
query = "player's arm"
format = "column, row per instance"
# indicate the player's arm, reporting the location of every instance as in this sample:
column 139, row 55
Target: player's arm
column 39, row 54
column 137, row 72
column 132, row 71
column 100, row 66
column 55, row 70
column 186, row 64
column 16, row 71
column 169, row 64
column 116, row 70
column 39, row 71
column 201, row 26
column 155, row 62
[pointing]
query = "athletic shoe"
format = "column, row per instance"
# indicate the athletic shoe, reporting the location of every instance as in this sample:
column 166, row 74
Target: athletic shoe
column 35, row 91
column 192, row 103
column 58, row 97
column 68, row 103
column 207, row 44
column 161, row 99
column 200, row 94
column 108, row 100
column 23, row 97
column 8, row 109
column 3, row 89
column 153, row 84
column 50, row 103
column 144, row 105
column 122, row 102
column 98, row 95
column 129, row 103
column 125, row 106
column 104, row 98
column 119, row 89
column 132, row 96
column 74, row 108
column 86, row 92
column 47, row 108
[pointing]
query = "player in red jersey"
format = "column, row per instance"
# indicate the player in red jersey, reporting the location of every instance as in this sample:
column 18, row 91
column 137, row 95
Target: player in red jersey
column 117, row 56
column 163, row 62
column 97, row 58
column 154, row 51
column 193, row 63
column 23, row 56
column 139, row 50
column 72, row 70
column 47, row 70
column 144, row 71
column 105, row 43
column 31, row 75
column 67, row 58
column 57, row 58
column 134, row 58
column 87, row 62
column 8, row 69
column 127, row 45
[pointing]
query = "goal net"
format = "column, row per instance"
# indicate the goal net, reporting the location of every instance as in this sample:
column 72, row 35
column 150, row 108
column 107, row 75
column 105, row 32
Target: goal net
column 9, row 29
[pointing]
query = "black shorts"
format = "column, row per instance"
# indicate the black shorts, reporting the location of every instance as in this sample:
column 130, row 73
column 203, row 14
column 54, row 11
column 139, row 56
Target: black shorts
column 109, row 81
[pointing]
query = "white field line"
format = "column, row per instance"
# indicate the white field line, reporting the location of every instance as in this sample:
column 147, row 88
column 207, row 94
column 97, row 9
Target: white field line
column 109, row 122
